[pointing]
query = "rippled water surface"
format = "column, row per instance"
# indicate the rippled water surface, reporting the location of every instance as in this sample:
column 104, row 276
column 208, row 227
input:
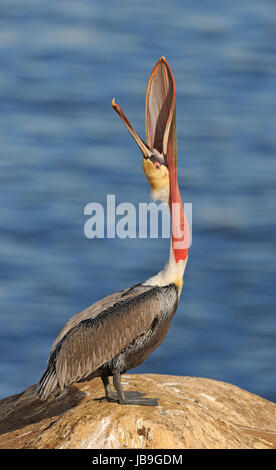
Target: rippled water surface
column 63, row 146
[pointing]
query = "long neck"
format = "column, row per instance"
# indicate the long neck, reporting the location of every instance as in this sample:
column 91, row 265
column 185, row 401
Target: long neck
column 173, row 270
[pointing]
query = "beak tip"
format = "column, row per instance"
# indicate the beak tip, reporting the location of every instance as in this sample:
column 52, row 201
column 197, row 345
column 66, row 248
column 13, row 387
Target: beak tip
column 163, row 59
column 113, row 104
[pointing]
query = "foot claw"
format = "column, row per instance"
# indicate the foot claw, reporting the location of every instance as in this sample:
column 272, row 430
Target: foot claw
column 128, row 398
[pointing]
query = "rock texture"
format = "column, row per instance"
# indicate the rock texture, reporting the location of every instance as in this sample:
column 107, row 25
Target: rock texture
column 193, row 413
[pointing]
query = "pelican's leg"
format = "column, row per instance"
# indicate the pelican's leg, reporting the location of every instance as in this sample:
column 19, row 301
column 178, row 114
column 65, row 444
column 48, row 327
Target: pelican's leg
column 131, row 398
column 110, row 395
column 119, row 389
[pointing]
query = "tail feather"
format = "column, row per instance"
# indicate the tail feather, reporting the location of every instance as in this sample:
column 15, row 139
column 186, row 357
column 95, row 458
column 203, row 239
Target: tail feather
column 48, row 383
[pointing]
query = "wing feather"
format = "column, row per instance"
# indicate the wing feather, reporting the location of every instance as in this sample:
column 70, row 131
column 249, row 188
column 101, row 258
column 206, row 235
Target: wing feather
column 98, row 307
column 95, row 341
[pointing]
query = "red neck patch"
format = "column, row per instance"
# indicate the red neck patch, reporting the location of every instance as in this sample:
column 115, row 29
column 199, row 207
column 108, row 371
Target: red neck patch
column 180, row 226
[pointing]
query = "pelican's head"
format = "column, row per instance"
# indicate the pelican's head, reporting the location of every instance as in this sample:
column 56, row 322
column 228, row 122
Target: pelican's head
column 160, row 129
column 160, row 150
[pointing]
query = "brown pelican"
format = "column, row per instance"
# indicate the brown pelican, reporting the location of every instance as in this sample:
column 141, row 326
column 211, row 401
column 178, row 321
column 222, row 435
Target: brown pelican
column 119, row 331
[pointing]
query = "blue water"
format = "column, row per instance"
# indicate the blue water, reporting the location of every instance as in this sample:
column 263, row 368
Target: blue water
column 63, row 146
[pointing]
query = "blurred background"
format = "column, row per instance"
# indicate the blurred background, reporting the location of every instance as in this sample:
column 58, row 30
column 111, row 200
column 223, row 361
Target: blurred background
column 63, row 146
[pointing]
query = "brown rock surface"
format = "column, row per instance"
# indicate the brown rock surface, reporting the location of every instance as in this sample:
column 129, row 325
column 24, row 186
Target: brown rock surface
column 192, row 413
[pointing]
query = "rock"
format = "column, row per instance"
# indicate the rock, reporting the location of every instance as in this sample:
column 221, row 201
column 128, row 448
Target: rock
column 192, row 413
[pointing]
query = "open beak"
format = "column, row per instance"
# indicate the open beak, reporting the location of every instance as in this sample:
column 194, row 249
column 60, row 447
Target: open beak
column 141, row 144
column 161, row 148
column 159, row 116
column 160, row 107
